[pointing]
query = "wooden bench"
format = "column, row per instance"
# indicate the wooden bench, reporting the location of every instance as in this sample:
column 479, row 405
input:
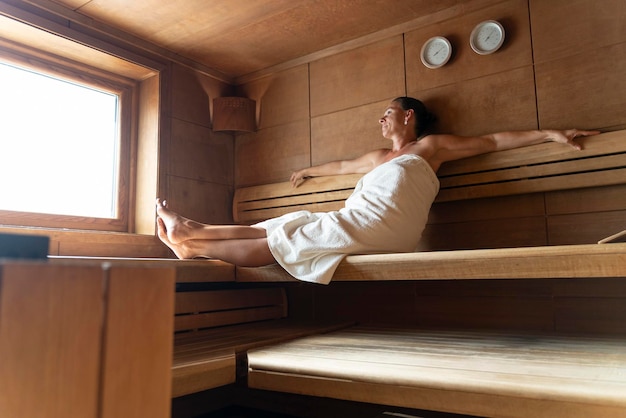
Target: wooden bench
column 539, row 168
column 214, row 328
column 536, row 168
column 85, row 339
column 477, row 373
column 472, row 372
column 216, row 320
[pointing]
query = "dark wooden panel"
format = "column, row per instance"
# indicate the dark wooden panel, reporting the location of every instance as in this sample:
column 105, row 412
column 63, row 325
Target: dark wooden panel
column 338, row 82
column 496, row 313
column 591, row 315
column 586, row 228
column 597, row 199
column 367, row 302
column 496, row 233
column 504, row 207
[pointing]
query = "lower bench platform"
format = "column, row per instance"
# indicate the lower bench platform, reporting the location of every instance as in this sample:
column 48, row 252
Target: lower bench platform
column 208, row 359
column 485, row 374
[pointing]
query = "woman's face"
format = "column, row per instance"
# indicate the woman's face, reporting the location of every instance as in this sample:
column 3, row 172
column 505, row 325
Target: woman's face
column 392, row 121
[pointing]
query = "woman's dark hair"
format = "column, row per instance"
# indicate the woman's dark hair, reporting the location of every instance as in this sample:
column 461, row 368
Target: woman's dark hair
column 423, row 118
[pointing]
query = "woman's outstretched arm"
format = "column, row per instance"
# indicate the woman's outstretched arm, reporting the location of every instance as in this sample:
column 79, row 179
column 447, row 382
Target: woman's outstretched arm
column 453, row 147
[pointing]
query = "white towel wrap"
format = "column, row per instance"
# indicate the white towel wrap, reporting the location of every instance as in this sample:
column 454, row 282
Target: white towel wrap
column 386, row 213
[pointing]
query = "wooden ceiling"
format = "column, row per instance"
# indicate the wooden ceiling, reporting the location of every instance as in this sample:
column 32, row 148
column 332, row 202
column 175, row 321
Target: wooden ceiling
column 241, row 37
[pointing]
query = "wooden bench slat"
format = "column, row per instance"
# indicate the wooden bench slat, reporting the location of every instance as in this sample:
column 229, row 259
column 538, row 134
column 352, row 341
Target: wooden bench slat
column 218, row 319
column 262, row 214
column 219, row 300
column 606, row 143
column 538, row 168
column 566, row 261
column 207, row 359
column 206, row 373
column 295, row 201
column 535, row 185
column 537, row 171
column 275, row 196
column 464, row 372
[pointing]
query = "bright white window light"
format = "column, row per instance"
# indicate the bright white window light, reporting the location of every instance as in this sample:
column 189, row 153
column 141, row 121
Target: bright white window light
column 59, row 146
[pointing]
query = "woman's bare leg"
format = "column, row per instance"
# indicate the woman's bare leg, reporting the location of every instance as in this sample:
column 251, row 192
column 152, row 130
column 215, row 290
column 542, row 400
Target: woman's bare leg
column 248, row 252
column 180, row 229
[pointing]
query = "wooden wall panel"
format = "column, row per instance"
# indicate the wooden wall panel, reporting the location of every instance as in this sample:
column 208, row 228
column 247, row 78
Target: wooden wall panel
column 509, row 221
column 586, row 90
column 564, row 28
column 202, row 201
column 272, row 154
column 498, row 102
column 587, row 228
column 504, row 207
column 465, row 64
column 281, row 98
column 348, row 134
column 283, row 142
column 580, row 51
column 597, row 199
column 361, row 76
column 199, row 172
column 50, row 338
column 591, row 315
column 199, row 153
column 495, row 233
column 138, row 346
column 512, row 313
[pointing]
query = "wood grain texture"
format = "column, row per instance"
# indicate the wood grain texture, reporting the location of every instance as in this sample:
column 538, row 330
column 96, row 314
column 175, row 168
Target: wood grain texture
column 466, row 65
column 484, row 374
column 51, row 320
column 338, row 80
column 569, row 261
column 137, row 372
column 272, row 154
column 348, row 133
column 207, row 359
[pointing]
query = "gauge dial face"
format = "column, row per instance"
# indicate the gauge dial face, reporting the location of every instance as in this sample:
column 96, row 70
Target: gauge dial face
column 487, row 37
column 436, row 52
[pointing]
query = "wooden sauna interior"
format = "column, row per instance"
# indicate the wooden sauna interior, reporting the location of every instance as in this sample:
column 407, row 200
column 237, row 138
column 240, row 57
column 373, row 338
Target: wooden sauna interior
column 321, row 73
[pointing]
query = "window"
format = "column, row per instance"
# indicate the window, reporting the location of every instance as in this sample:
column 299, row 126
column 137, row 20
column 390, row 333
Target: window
column 65, row 140
column 59, row 143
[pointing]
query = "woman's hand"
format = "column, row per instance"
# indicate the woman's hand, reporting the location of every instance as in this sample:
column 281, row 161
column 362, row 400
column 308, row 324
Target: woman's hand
column 567, row 136
column 297, row 177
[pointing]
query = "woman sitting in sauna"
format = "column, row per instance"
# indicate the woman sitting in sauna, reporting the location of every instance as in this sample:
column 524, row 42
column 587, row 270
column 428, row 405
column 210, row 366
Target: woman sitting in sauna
column 386, row 213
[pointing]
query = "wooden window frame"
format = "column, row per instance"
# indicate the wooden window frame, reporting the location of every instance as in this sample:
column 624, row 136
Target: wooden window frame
column 127, row 91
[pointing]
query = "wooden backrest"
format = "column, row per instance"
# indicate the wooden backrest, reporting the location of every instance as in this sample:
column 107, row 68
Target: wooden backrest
column 537, row 168
column 198, row 310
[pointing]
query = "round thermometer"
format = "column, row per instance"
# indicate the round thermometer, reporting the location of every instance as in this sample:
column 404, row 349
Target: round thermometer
column 436, row 52
column 487, row 37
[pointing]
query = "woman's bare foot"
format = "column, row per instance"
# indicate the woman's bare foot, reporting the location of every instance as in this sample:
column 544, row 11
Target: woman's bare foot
column 180, row 249
column 177, row 228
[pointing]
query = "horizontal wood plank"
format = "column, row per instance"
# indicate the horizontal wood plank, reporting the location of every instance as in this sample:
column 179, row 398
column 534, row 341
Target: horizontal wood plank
column 538, row 168
column 207, row 359
column 568, row 261
column 466, row 372
column 187, row 271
